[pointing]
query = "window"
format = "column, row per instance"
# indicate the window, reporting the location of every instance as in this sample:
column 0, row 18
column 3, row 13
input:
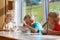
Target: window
column 54, row 5
column 35, row 8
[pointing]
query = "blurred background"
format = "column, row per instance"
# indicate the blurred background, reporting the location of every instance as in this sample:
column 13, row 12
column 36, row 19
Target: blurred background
column 19, row 8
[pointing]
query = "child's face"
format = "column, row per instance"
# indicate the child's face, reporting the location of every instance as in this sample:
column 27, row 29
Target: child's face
column 50, row 20
column 28, row 21
column 9, row 18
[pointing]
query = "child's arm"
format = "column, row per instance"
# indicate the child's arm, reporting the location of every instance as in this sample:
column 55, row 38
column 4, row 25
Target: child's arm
column 34, row 30
column 52, row 32
column 4, row 27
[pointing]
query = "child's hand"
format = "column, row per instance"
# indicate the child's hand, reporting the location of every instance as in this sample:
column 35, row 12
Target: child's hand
column 25, row 25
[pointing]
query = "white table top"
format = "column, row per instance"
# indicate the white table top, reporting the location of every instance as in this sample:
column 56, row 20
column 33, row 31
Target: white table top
column 28, row 36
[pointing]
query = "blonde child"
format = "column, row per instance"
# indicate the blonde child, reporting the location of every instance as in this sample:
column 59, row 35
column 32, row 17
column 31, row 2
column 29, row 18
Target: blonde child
column 9, row 25
column 32, row 25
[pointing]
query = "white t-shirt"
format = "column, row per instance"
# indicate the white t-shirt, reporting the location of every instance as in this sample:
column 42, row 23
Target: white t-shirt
column 9, row 26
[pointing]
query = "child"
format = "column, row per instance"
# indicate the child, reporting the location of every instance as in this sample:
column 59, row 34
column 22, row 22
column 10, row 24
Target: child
column 8, row 25
column 34, row 27
column 54, row 21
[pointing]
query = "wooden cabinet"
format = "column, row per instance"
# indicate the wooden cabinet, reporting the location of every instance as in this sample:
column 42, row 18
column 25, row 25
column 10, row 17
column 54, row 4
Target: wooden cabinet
column 10, row 5
column 2, row 12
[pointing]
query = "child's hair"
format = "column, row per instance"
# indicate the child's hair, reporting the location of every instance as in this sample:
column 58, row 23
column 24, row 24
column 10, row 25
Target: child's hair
column 54, row 15
column 8, row 15
column 29, row 16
